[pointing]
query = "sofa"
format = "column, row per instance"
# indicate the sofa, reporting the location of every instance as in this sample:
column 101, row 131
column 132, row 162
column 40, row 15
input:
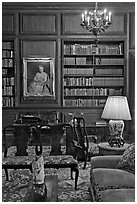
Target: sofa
column 112, row 177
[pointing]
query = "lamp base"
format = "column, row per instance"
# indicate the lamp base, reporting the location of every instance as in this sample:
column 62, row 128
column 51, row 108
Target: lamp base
column 116, row 140
column 116, row 129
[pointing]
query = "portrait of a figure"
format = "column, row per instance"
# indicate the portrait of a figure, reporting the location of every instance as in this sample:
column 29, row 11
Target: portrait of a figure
column 38, row 77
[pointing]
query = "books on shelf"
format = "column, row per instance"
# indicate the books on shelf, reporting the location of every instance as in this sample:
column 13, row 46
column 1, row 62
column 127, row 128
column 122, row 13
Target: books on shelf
column 109, row 61
column 7, row 45
column 8, row 90
column 108, row 81
column 8, row 79
column 84, row 102
column 87, row 49
column 109, row 71
column 8, row 101
column 78, row 71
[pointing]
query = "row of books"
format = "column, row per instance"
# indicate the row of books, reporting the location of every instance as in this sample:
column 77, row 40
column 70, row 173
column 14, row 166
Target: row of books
column 77, row 61
column 80, row 49
column 112, row 49
column 8, row 81
column 108, row 81
column 7, row 71
column 7, row 63
column 90, row 71
column 4, row 71
column 7, row 45
column 78, row 81
column 8, row 90
column 7, row 53
column 109, row 61
column 84, row 102
column 91, row 92
column 109, row 71
column 96, row 81
column 90, row 61
column 8, row 101
column 81, row 71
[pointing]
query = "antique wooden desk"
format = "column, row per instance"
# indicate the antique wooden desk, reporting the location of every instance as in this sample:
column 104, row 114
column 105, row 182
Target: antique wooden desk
column 54, row 132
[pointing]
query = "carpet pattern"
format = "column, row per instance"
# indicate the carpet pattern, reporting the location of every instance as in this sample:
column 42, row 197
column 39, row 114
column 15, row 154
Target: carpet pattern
column 16, row 188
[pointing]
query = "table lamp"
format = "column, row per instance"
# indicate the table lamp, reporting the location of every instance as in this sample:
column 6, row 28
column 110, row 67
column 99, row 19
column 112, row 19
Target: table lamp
column 116, row 110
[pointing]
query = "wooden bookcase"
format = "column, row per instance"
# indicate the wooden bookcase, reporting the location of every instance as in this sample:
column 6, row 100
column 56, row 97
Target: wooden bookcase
column 92, row 73
column 8, row 74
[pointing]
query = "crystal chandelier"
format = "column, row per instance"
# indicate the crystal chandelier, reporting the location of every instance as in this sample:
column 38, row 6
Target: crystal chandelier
column 96, row 21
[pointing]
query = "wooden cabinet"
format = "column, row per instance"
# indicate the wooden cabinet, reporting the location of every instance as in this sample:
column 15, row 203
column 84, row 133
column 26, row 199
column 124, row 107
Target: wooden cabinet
column 8, row 74
column 92, row 73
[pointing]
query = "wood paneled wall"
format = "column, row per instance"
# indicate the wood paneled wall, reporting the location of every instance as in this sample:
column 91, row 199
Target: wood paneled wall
column 39, row 28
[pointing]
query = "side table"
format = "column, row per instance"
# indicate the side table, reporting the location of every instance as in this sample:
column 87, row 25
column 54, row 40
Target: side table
column 52, row 190
column 106, row 149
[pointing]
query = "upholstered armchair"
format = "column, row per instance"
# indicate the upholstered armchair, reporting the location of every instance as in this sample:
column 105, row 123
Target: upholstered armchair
column 112, row 177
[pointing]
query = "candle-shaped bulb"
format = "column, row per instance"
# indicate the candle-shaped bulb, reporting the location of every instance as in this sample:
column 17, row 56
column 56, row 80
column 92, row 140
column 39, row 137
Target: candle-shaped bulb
column 110, row 19
column 107, row 17
column 85, row 12
column 82, row 17
column 88, row 19
column 85, row 15
column 105, row 11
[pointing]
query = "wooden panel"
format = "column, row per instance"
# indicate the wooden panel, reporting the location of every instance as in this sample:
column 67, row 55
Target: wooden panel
column 8, row 23
column 38, row 24
column 71, row 24
column 118, row 25
column 37, row 47
column 132, row 31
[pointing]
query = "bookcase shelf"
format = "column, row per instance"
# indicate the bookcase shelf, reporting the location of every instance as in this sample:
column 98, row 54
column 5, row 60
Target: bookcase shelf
column 8, row 74
column 91, row 74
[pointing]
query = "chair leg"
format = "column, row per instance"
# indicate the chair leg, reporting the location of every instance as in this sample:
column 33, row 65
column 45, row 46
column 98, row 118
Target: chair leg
column 75, row 169
column 71, row 173
column 85, row 163
column 6, row 173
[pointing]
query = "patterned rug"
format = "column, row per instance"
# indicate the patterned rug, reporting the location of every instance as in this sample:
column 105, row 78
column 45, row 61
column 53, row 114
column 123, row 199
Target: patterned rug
column 16, row 188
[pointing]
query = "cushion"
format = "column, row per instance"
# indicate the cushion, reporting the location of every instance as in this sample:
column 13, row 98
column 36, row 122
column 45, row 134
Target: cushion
column 127, row 162
column 106, row 178
column 118, row 195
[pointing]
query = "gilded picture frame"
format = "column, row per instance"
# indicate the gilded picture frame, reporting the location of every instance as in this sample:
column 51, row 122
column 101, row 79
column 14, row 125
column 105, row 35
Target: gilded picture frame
column 38, row 78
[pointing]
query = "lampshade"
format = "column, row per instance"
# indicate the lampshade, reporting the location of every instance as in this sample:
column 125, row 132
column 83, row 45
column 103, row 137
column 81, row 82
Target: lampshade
column 116, row 107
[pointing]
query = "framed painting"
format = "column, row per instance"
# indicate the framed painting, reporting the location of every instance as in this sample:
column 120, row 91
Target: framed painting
column 38, row 78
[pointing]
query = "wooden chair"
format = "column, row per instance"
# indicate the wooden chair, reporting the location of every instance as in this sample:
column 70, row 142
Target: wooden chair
column 80, row 142
column 11, row 161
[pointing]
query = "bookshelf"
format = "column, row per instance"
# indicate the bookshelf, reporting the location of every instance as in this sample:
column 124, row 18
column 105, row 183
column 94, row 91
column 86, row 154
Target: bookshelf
column 8, row 74
column 92, row 73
